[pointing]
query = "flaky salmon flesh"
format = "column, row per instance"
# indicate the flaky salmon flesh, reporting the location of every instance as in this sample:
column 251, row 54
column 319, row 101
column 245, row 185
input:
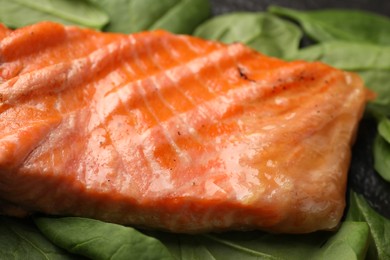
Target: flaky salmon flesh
column 172, row 132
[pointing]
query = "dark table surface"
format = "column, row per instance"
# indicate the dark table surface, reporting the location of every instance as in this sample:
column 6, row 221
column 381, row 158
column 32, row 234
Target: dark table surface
column 362, row 177
column 378, row 6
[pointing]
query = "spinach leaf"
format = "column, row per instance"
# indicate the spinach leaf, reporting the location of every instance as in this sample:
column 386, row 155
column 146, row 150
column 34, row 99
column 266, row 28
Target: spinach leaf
column 184, row 17
column 359, row 210
column 261, row 31
column 384, row 129
column 118, row 12
column 338, row 24
column 20, row 239
column 140, row 21
column 382, row 153
column 177, row 16
column 18, row 13
column 99, row 240
column 348, row 55
column 379, row 82
column 349, row 242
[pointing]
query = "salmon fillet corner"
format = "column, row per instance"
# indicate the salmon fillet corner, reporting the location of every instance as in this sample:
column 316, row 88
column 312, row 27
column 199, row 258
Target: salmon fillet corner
column 172, row 132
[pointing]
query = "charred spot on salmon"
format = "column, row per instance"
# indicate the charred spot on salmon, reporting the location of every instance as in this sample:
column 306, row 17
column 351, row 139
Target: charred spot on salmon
column 243, row 75
column 135, row 137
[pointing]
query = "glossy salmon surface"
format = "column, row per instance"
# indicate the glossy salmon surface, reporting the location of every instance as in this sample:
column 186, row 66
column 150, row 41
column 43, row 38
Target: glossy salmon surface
column 172, row 132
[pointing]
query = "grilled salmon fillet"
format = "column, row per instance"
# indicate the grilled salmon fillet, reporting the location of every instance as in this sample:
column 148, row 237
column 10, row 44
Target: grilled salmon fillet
column 172, row 132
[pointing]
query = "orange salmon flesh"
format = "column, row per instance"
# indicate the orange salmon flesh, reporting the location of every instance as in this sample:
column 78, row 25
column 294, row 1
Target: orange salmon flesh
column 172, row 132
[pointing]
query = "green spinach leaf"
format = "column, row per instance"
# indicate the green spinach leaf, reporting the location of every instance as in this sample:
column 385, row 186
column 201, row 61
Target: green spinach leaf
column 18, row 13
column 177, row 16
column 384, row 129
column 348, row 55
column 261, row 31
column 184, row 17
column 99, row 240
column 349, row 242
column 337, row 24
column 140, row 21
column 20, row 239
column 379, row 82
column 359, row 210
column 382, row 153
column 118, row 12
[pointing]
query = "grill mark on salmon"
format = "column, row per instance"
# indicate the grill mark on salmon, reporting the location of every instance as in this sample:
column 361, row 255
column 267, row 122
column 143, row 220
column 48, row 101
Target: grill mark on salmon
column 173, row 95
column 172, row 132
